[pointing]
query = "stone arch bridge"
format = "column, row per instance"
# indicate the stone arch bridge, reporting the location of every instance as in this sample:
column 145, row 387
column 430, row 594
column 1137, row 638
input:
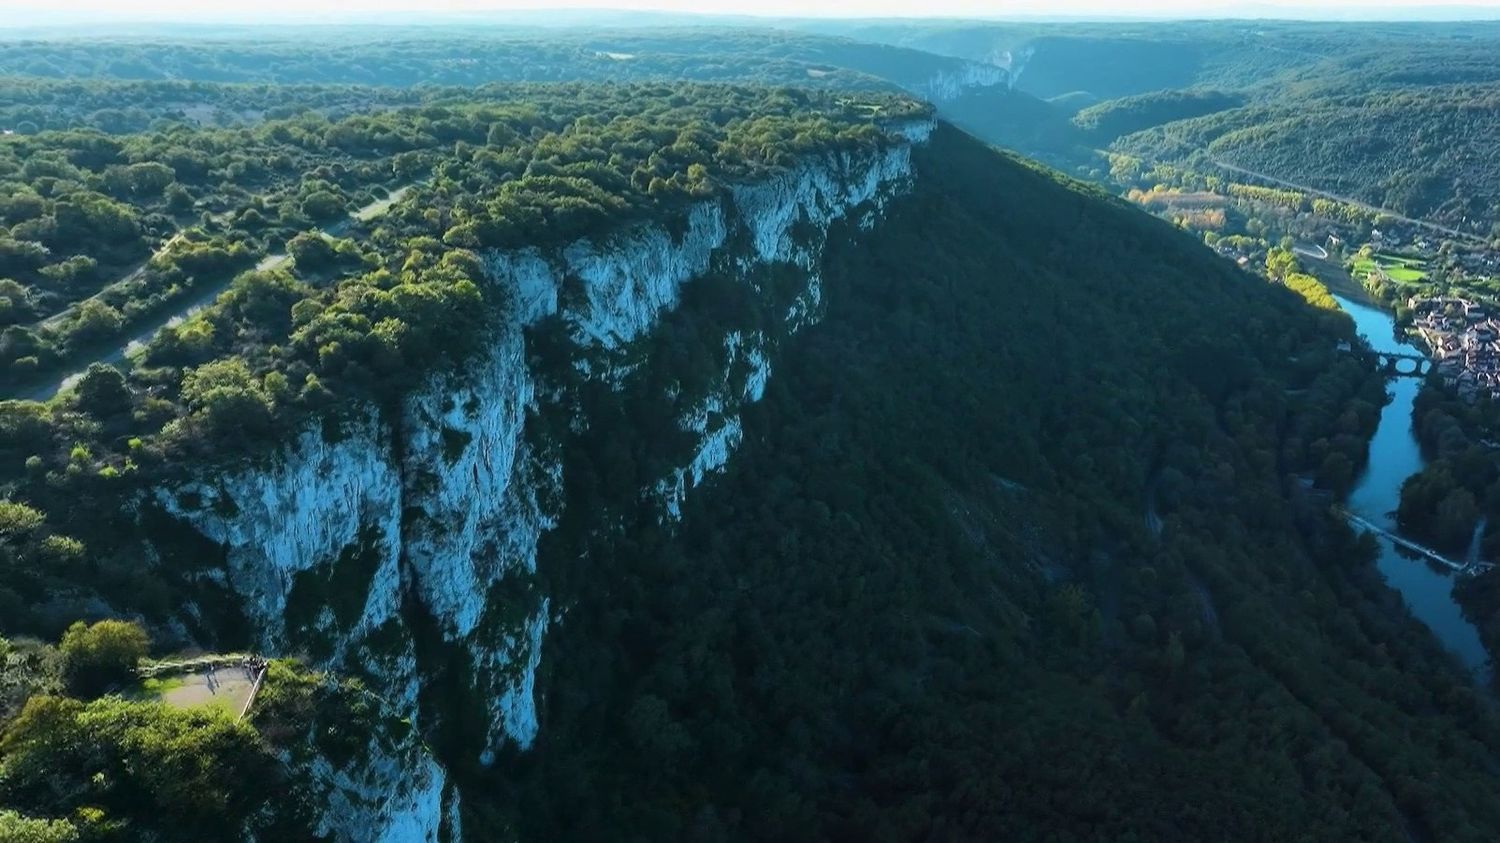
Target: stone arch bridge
column 1397, row 365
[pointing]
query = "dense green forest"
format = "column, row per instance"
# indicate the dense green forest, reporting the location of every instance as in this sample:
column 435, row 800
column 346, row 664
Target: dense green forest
column 927, row 601
column 84, row 211
column 1109, row 120
column 357, row 316
column 1422, row 152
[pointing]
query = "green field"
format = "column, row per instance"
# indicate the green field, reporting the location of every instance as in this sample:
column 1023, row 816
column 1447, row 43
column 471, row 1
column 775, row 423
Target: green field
column 1400, row 269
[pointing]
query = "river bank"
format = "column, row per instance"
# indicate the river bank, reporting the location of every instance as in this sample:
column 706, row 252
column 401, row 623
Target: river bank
column 1396, row 455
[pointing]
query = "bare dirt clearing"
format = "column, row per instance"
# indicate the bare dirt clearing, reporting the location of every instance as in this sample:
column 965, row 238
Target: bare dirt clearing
column 223, row 687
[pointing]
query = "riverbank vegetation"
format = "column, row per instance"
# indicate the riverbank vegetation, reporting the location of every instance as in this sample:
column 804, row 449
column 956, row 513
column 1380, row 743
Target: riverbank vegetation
column 1454, row 500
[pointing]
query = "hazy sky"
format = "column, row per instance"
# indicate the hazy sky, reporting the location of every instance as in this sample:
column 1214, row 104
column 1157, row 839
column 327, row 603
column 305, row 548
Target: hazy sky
column 28, row 11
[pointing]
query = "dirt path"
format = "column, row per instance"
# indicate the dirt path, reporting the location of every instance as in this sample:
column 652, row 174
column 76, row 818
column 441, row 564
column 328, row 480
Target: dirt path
column 128, row 278
column 138, row 338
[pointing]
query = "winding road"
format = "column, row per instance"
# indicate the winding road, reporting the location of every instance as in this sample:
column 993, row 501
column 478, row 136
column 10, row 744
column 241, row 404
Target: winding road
column 1308, row 252
column 1431, row 226
column 200, row 299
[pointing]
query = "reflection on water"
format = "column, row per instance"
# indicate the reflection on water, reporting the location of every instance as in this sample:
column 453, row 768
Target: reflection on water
column 1395, row 456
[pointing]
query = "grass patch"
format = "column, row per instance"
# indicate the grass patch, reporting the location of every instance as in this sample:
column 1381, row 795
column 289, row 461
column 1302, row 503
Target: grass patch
column 1399, row 269
column 157, row 686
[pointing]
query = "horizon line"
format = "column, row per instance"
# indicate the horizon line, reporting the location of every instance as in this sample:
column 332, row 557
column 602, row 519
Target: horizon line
column 1262, row 12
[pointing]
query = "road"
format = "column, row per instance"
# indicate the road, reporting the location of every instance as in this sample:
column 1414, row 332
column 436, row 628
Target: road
column 199, row 300
column 132, row 275
column 1431, row 226
column 1429, row 553
column 1315, row 252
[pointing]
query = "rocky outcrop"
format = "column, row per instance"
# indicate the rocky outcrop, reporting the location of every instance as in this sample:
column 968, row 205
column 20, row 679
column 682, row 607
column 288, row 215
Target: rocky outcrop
column 386, row 794
column 949, row 85
column 438, row 507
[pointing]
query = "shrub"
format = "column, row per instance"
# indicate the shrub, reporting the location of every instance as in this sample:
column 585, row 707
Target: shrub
column 97, row 656
column 15, row 828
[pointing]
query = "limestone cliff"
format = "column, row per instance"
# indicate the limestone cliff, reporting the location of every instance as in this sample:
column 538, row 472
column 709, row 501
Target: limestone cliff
column 370, row 544
column 950, row 85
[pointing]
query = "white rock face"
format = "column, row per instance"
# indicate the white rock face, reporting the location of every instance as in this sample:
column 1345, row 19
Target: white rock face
column 950, row 85
column 519, row 655
column 818, row 193
column 715, row 419
column 452, row 496
column 629, row 279
column 393, row 793
column 463, row 437
column 1016, row 62
column 317, row 501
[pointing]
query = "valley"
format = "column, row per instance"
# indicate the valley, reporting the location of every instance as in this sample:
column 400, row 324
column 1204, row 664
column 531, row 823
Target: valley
column 631, row 426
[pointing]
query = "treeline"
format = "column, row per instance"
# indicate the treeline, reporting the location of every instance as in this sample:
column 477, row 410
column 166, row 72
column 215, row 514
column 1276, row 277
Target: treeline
column 124, row 107
column 1455, row 498
column 1461, row 481
column 476, row 55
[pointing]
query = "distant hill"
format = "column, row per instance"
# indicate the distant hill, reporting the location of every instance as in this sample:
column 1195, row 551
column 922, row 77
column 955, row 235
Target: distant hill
column 977, row 94
column 1425, row 152
column 1112, row 60
column 1399, row 115
column 1106, row 121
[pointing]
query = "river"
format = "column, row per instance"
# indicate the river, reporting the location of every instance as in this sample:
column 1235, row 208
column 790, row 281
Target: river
column 1394, row 456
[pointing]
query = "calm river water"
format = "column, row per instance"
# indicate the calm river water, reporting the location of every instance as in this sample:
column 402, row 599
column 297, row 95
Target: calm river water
column 1395, row 456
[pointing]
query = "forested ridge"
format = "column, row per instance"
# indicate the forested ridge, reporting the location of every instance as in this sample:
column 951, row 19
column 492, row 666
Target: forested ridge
column 926, row 602
column 359, row 317
column 1109, row 120
column 130, row 84
column 350, row 320
column 484, row 53
column 1422, row 152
